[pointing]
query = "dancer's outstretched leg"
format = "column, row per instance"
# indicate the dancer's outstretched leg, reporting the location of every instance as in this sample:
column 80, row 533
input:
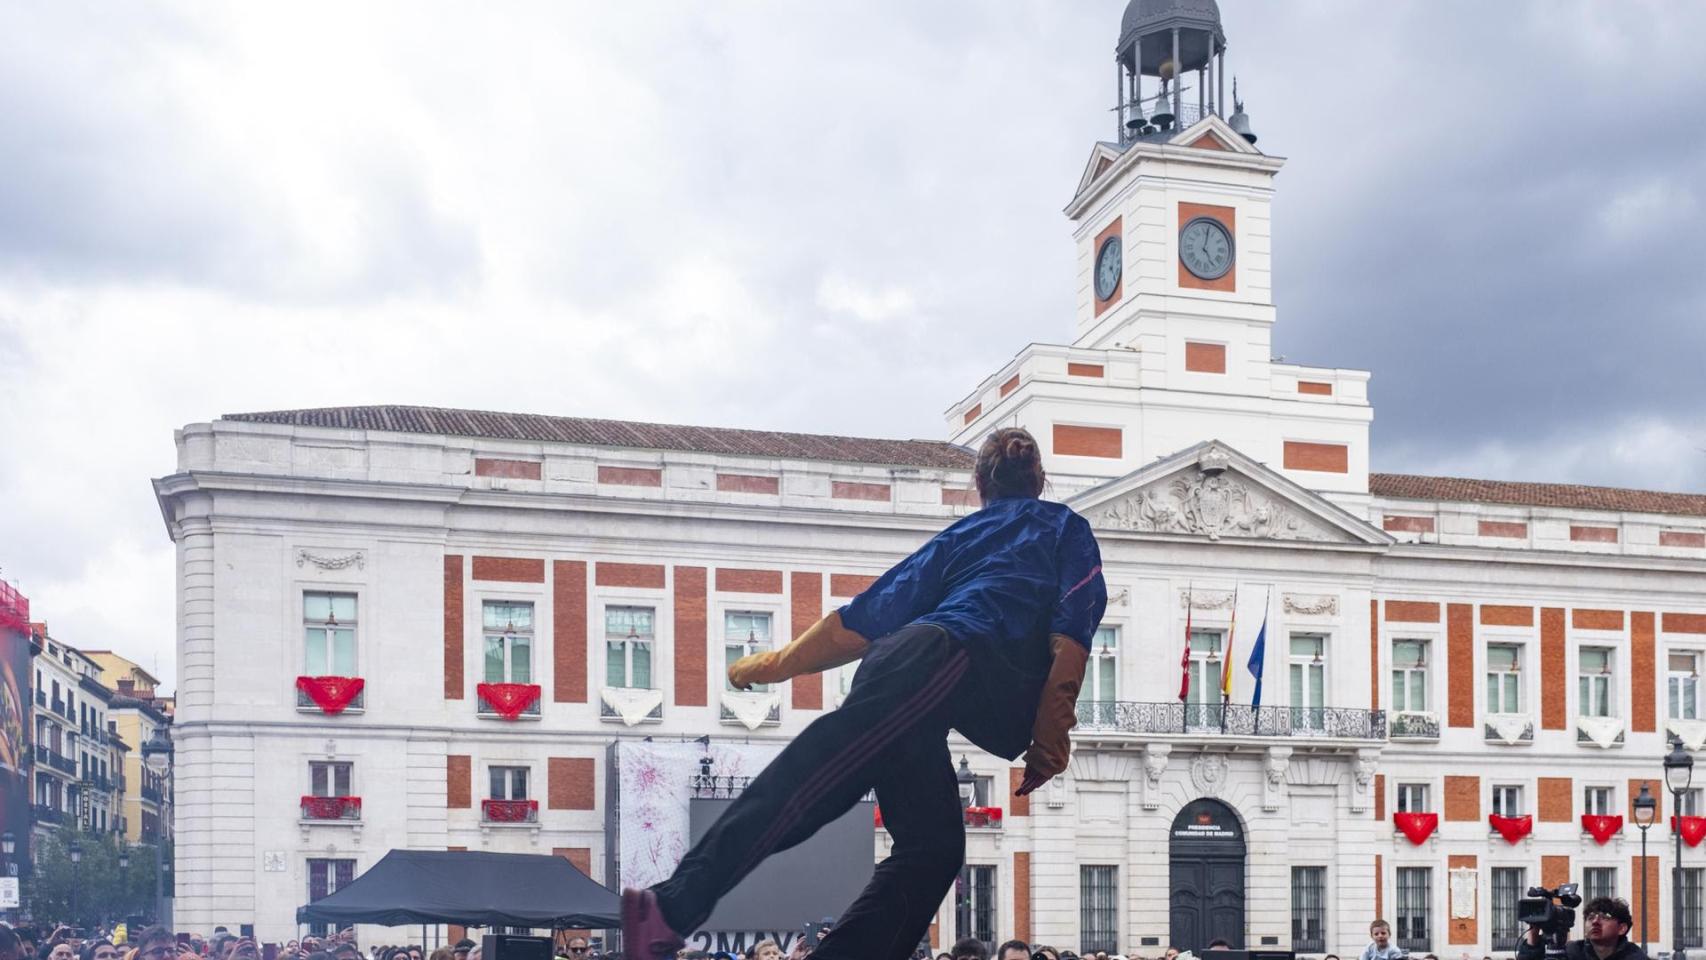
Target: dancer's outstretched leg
column 920, row 801
column 904, row 693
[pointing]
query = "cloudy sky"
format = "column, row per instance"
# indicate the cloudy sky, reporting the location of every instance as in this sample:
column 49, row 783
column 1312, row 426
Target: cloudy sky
column 821, row 216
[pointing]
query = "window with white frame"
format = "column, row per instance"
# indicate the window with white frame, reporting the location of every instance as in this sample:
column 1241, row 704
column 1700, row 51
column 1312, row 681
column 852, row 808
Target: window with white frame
column 1413, row 798
column 1504, row 678
column 328, row 629
column 745, row 632
column 1683, row 685
column 1690, row 803
column 1593, row 665
column 1205, row 667
column 1410, row 676
column 1507, row 801
column 1101, row 678
column 508, row 783
column 629, row 639
column 1598, row 801
column 330, row 778
column 509, row 641
column 1308, row 679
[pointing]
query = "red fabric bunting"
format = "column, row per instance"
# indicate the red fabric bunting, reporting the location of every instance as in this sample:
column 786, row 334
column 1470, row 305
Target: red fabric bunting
column 507, row 700
column 983, row 816
column 1418, row 827
column 331, row 808
column 331, row 694
column 1512, row 828
column 1693, row 829
column 877, row 815
column 510, row 811
column 1601, row 828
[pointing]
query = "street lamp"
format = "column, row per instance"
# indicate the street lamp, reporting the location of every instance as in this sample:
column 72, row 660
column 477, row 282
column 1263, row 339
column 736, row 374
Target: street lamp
column 962, row 882
column 123, row 872
column 968, row 783
column 76, row 877
column 159, row 883
column 1646, row 810
column 9, row 846
column 1679, row 771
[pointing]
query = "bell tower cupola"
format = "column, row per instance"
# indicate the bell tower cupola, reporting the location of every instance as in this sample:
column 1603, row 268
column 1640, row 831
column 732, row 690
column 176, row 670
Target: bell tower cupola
column 1163, row 43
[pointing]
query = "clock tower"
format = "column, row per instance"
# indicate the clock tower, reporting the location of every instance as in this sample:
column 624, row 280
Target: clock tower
column 1172, row 336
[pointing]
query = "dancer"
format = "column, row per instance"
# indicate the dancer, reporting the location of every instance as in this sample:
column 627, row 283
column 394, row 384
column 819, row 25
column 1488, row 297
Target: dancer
column 985, row 630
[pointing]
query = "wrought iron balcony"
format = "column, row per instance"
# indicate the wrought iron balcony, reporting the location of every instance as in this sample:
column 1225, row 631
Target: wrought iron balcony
column 1414, row 726
column 1233, row 719
column 151, row 794
column 509, row 811
column 47, row 814
column 331, row 808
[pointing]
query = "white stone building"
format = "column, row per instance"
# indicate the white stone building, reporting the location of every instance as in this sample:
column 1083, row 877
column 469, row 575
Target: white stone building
column 1433, row 646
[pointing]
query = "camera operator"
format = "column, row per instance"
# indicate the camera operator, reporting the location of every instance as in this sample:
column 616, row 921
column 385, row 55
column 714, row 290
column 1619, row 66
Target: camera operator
column 1606, row 922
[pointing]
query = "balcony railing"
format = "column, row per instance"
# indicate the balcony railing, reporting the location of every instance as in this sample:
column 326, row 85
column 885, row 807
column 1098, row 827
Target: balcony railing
column 331, row 808
column 59, row 708
column 983, row 817
column 47, row 814
column 357, row 703
column 54, row 761
column 151, row 794
column 1414, row 726
column 509, row 811
column 1233, row 719
column 41, row 698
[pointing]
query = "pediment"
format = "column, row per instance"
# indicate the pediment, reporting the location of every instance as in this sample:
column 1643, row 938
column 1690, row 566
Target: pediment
column 1213, row 133
column 1214, row 492
column 1102, row 156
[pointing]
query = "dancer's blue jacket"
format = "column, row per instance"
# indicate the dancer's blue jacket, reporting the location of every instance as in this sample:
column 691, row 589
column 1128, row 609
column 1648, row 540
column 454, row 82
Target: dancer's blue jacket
column 1001, row 580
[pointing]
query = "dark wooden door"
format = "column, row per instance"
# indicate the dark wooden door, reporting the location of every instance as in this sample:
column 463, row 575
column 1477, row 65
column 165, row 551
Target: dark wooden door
column 1207, row 902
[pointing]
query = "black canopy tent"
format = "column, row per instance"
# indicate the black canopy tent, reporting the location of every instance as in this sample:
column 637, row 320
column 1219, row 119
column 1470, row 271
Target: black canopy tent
column 469, row 889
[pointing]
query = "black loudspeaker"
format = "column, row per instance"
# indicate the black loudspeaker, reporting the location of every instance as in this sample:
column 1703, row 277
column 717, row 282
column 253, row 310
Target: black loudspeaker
column 503, row 946
column 1246, row 955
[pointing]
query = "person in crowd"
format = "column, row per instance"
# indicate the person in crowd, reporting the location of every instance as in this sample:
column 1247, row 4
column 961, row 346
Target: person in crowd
column 1170, row 953
column 1218, row 943
column 476, row 953
column 1047, row 951
column 11, row 945
column 1380, row 945
column 60, row 948
column 347, row 950
column 1605, row 935
column 986, row 630
column 944, row 956
column 766, row 950
column 1331, row 956
column 156, row 943
column 1430, row 956
column 970, row 948
column 462, row 947
column 1013, row 950
column 443, row 953
column 101, row 949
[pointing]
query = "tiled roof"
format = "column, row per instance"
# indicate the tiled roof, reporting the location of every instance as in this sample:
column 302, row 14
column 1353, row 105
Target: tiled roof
column 1408, row 487
column 623, row 433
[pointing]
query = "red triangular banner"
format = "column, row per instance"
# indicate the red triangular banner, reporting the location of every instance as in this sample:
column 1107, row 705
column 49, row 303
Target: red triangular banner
column 1512, row 828
column 1693, row 829
column 1601, row 828
column 507, row 700
column 331, row 694
column 1418, row 827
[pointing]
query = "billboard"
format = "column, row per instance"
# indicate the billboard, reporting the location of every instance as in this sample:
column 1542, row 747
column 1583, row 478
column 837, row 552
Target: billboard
column 15, row 749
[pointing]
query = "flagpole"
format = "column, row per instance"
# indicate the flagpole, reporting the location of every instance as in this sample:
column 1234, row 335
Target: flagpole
column 1258, row 658
column 1185, row 661
column 1226, row 662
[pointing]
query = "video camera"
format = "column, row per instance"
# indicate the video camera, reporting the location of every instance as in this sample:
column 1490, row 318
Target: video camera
column 1551, row 913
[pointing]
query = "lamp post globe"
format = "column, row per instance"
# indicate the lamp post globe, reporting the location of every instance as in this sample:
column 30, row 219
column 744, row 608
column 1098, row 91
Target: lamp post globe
column 76, row 877
column 8, row 844
column 1646, row 811
column 967, row 782
column 157, row 753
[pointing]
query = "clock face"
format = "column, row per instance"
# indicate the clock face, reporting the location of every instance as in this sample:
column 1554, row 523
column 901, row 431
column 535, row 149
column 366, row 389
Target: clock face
column 1108, row 268
column 1205, row 248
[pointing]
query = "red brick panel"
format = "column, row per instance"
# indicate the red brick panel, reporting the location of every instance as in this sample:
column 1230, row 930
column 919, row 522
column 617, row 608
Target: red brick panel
column 1228, row 218
column 1072, row 441
column 1464, row 929
column 1557, row 800
column 1654, row 787
column 1012, row 383
column 1554, row 869
column 975, row 412
column 1379, row 886
column 1207, row 141
column 1494, row 615
column 568, row 631
column 960, row 498
column 849, row 490
column 571, row 783
column 1645, row 913
column 1317, row 457
column 1460, row 654
column 1593, row 534
column 1022, row 895
column 1111, row 230
column 508, row 469
column 1205, row 357
column 1583, row 619
column 748, row 483
column 510, row 569
column 849, row 584
column 1643, row 673
column 1462, row 799
column 691, row 638
column 581, row 857
column 1021, row 805
column 734, row 580
column 1408, row 524
column 1380, row 796
column 648, row 576
column 805, row 607
column 1553, row 669
column 1685, row 623
column 1682, row 538
column 1412, row 611
column 631, row 476
column 452, row 627
column 1084, row 370
column 1503, row 528
column 458, row 781
column 1315, row 387
column 1374, row 654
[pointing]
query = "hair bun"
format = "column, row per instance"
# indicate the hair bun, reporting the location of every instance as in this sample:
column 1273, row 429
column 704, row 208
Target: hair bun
column 1019, row 448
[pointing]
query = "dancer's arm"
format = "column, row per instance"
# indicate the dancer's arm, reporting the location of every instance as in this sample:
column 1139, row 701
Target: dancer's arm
column 1078, row 612
column 825, row 645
